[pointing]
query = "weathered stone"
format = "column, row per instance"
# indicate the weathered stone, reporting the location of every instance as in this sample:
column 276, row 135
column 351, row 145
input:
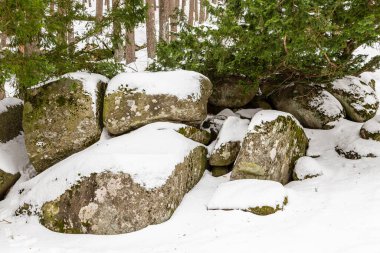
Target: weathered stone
column 218, row 171
column 312, row 106
column 233, row 92
column 225, row 154
column 195, row 134
column 274, row 141
column 371, row 129
column 7, row 180
column 62, row 118
column 358, row 98
column 112, row 203
column 136, row 99
column 10, row 119
column 259, row 101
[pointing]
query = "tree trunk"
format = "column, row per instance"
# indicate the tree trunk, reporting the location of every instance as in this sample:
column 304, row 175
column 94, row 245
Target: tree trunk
column 174, row 4
column 150, row 30
column 2, row 92
column 117, row 39
column 183, row 5
column 202, row 15
column 130, row 47
column 99, row 10
column 196, row 11
column 108, row 4
column 163, row 20
column 191, row 12
column 3, row 40
column 51, row 7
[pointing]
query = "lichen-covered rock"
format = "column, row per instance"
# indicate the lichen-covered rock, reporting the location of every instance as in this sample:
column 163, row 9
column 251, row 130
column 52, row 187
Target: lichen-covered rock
column 233, row 92
column 10, row 119
column 312, row 106
column 218, row 171
column 228, row 142
column 261, row 197
column 62, row 117
column 371, row 129
column 307, row 167
column 274, row 141
column 136, row 99
column 358, row 99
column 125, row 184
column 195, row 134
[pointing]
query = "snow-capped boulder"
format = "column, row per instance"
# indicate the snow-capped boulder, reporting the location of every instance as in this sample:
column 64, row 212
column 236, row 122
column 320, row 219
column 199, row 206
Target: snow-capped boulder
column 371, row 129
column 136, row 99
column 307, row 167
column 313, row 106
column 10, row 119
column 118, row 185
column 62, row 117
column 195, row 134
column 228, row 142
column 262, row 197
column 274, row 141
column 213, row 123
column 358, row 98
column 233, row 92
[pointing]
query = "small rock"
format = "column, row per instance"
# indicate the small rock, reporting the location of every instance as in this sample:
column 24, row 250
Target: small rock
column 371, row 129
column 307, row 167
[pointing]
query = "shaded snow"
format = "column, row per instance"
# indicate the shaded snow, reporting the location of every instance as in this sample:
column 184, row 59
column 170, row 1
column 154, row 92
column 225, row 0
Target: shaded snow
column 373, row 125
column 327, row 104
column 248, row 113
column 13, row 156
column 9, row 102
column 307, row 166
column 233, row 129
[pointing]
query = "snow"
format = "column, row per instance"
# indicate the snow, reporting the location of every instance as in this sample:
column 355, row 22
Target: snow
column 307, row 166
column 13, row 156
column 247, row 193
column 368, row 51
column 327, row 104
column 180, row 83
column 264, row 116
column 9, row 102
column 248, row 113
column 233, row 130
column 373, row 125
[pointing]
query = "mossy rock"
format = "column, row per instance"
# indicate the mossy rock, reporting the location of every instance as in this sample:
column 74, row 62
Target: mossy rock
column 371, row 129
column 60, row 119
column 195, row 134
column 358, row 98
column 233, row 92
column 10, row 119
column 126, row 108
column 267, row 210
column 218, row 171
column 225, row 154
column 112, row 203
column 7, row 180
column 270, row 149
column 312, row 106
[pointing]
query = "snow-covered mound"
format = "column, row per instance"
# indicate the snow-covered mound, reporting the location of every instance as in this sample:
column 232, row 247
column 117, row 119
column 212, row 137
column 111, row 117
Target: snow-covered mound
column 307, row 167
column 249, row 195
column 13, row 155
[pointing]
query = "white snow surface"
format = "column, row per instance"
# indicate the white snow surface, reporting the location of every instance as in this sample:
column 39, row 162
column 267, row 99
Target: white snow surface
column 248, row 113
column 13, row 156
column 180, row 83
column 373, row 125
column 247, row 193
column 149, row 155
column 233, row 129
column 9, row 102
column 327, row 104
column 307, row 166
column 264, row 116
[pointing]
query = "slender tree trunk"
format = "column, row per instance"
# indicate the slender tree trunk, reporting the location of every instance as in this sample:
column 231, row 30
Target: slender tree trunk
column 174, row 4
column 108, row 4
column 150, row 30
column 202, row 14
column 117, row 38
column 130, row 47
column 163, row 20
column 99, row 10
column 191, row 12
column 51, row 7
column 196, row 11
column 2, row 91
column 183, row 5
column 3, row 40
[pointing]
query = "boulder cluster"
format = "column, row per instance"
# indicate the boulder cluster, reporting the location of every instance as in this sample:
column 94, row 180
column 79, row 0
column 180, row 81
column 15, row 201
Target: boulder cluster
column 114, row 156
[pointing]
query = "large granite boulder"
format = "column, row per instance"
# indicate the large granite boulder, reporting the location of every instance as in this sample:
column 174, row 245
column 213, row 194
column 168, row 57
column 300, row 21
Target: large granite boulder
column 312, row 106
column 228, row 142
column 125, row 184
column 63, row 117
column 273, row 143
column 357, row 97
column 136, row 99
column 12, row 157
column 233, row 92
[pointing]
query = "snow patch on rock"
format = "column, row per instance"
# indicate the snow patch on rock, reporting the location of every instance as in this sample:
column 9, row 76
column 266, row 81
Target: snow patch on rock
column 264, row 116
column 233, row 130
column 307, row 167
column 9, row 102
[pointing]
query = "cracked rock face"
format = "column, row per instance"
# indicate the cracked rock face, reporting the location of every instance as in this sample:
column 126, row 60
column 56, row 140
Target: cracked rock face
column 129, row 108
column 112, row 203
column 59, row 120
column 270, row 150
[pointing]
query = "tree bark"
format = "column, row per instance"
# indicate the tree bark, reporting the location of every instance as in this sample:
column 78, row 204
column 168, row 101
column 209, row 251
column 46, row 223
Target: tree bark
column 202, row 14
column 117, row 39
column 3, row 40
column 196, row 11
column 191, row 12
column 163, row 18
column 150, row 30
column 174, row 4
column 99, row 10
column 130, row 47
column 108, row 4
column 183, row 5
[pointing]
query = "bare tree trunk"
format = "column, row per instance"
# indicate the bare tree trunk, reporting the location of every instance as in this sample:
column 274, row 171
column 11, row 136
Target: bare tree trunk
column 150, row 30
column 117, row 41
column 202, row 15
column 51, row 7
column 130, row 47
column 99, row 10
column 174, row 4
column 196, row 11
column 191, row 12
column 2, row 91
column 108, row 4
column 183, row 5
column 3, row 40
column 163, row 20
